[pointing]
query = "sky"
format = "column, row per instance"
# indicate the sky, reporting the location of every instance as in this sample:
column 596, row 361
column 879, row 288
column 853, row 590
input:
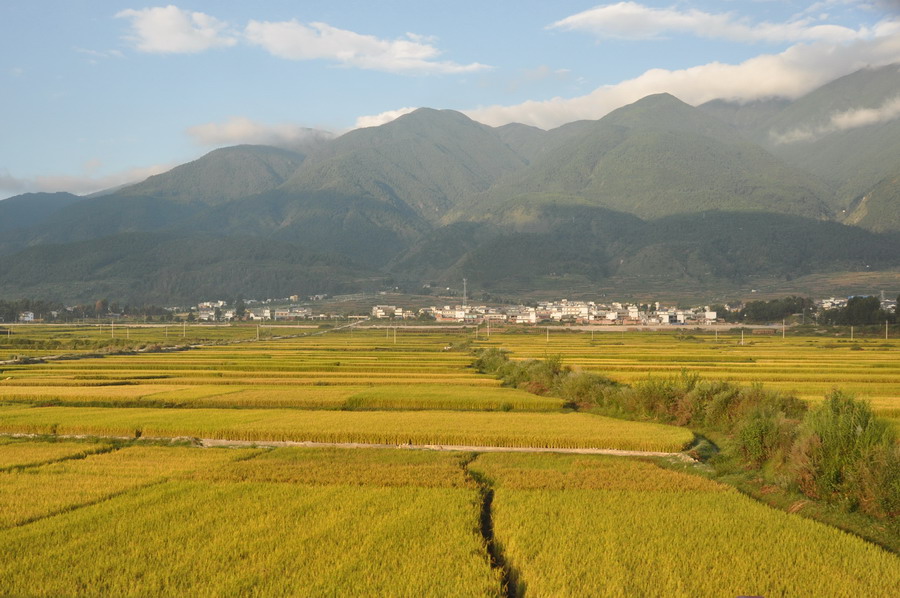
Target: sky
column 99, row 93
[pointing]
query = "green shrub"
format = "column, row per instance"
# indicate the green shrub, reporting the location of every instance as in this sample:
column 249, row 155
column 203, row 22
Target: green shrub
column 847, row 455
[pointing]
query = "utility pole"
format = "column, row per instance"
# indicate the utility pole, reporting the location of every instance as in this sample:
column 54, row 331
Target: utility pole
column 885, row 330
column 465, row 293
column 782, row 330
column 851, row 333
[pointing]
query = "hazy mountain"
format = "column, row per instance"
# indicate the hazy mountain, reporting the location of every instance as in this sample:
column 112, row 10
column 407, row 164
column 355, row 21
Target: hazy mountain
column 143, row 267
column 220, row 176
column 107, row 215
column 846, row 132
column 31, row 209
column 748, row 117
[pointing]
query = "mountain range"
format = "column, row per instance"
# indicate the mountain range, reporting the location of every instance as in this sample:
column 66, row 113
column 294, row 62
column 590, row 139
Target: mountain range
column 661, row 192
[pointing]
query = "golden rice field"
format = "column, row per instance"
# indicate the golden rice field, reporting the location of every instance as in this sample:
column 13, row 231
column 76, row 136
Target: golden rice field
column 161, row 521
column 124, row 518
column 602, row 526
column 19, row 452
column 544, row 430
column 36, row 340
column 192, row 524
column 807, row 366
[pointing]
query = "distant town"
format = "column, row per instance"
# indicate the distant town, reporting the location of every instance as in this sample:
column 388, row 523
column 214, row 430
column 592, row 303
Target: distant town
column 561, row 311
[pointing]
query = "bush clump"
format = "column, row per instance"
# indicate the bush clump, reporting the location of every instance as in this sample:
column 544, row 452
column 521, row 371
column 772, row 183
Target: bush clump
column 845, row 454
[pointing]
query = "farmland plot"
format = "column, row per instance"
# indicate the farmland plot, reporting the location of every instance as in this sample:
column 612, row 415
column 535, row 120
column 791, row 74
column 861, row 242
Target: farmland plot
column 605, row 526
column 289, row 524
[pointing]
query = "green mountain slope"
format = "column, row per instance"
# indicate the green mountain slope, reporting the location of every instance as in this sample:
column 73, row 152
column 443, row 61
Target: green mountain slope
column 570, row 244
column 153, row 268
column 879, row 209
column 825, row 132
column 659, row 157
column 429, row 160
column 363, row 228
column 222, row 175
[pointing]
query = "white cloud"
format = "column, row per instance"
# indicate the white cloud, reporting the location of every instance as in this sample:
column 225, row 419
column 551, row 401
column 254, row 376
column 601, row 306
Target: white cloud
column 631, row 20
column 380, row 119
column 171, row 30
column 842, row 121
column 239, row 129
column 319, row 41
column 78, row 184
column 792, row 73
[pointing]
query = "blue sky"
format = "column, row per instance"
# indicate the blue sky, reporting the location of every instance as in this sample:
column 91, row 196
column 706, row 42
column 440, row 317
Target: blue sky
column 97, row 93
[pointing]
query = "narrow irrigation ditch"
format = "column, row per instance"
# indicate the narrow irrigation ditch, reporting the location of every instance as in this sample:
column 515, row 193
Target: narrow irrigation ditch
column 510, row 584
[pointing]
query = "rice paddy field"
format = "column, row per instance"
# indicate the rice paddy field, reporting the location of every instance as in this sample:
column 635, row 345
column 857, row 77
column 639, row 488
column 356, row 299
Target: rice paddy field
column 92, row 503
column 600, row 526
column 807, row 366
column 133, row 520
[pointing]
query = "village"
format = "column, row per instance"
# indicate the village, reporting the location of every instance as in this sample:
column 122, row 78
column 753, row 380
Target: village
column 561, row 311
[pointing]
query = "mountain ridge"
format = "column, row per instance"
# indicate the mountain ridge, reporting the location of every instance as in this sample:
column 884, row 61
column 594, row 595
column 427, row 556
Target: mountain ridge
column 658, row 190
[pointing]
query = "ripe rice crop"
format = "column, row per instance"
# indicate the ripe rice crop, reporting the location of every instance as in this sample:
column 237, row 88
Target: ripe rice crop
column 457, row 399
column 807, row 366
column 20, row 452
column 324, row 466
column 256, row 539
column 74, row 393
column 56, row 487
column 550, row 430
column 623, row 528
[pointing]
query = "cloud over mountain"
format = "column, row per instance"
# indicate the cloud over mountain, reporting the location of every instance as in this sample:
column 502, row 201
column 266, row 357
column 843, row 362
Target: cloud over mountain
column 240, row 130
column 795, row 71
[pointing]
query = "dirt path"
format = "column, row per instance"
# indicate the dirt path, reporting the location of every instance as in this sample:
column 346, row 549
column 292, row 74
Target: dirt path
column 214, row 442
column 221, row 442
